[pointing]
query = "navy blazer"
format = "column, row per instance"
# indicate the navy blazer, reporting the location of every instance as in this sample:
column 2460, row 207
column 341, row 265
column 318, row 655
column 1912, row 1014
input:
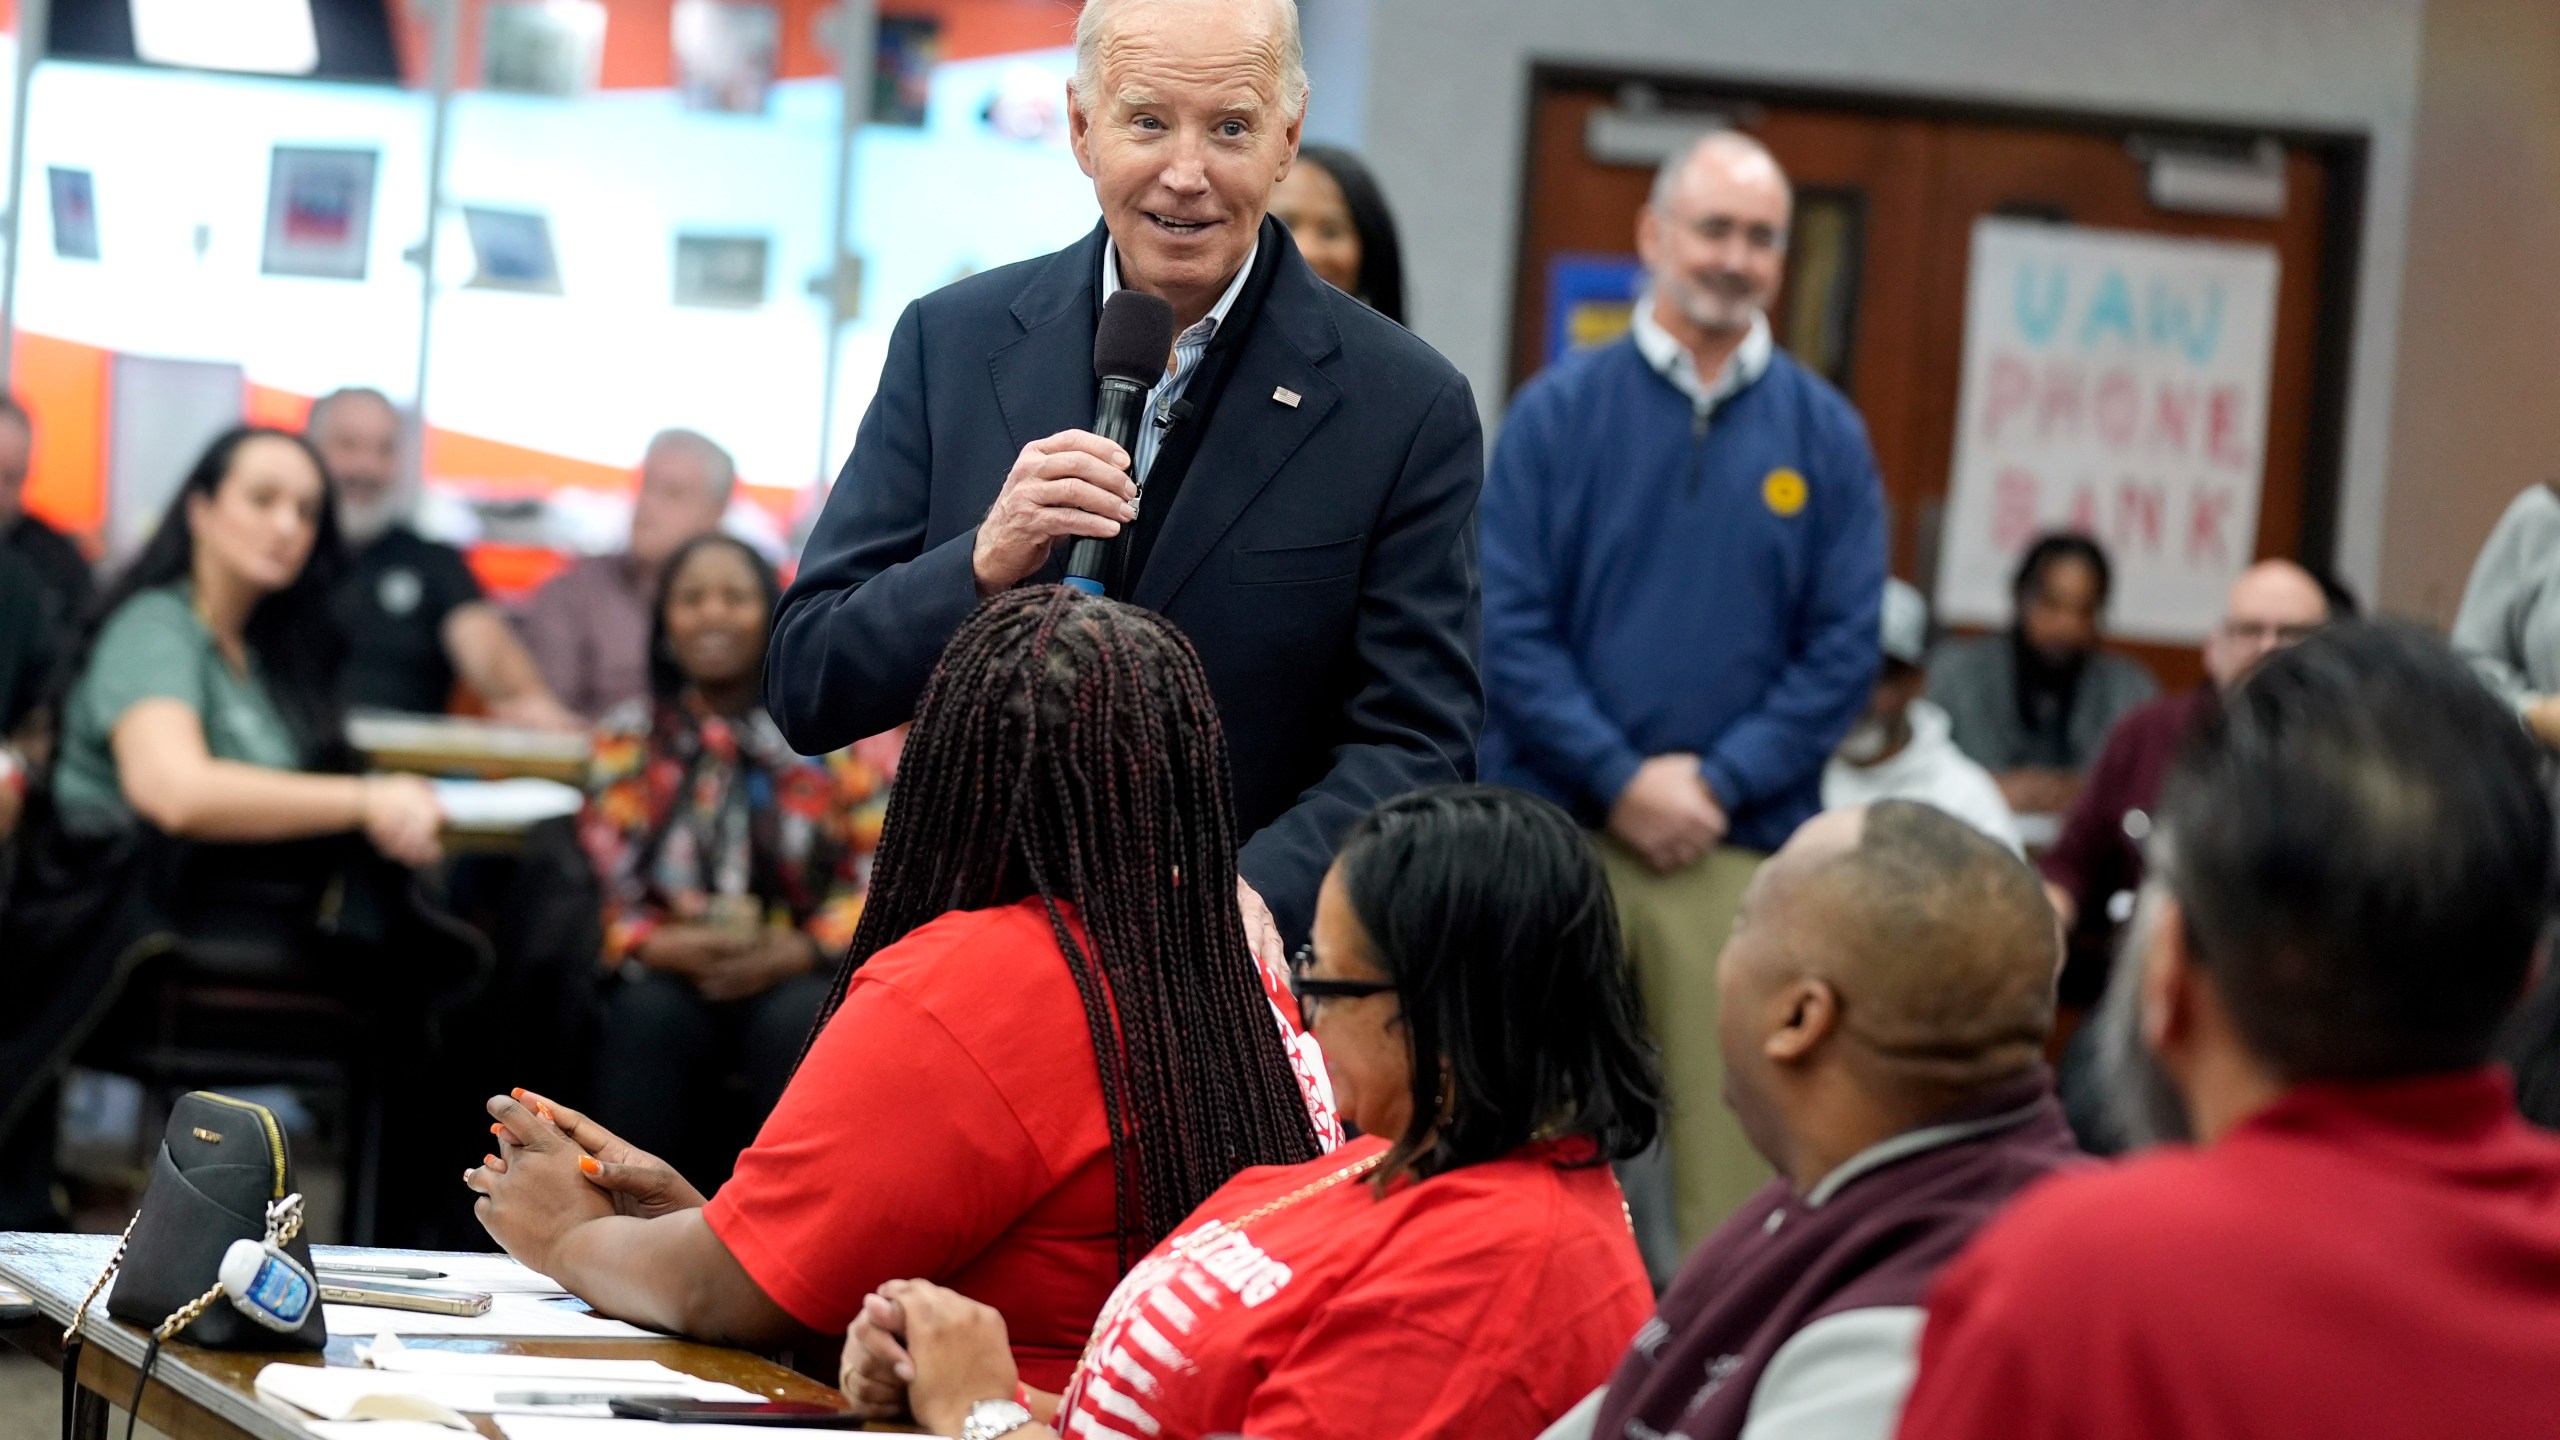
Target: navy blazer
column 1321, row 556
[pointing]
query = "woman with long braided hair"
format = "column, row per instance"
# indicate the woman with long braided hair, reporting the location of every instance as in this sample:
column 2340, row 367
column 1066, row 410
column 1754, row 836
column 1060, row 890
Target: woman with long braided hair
column 1465, row 1269
column 1046, row 1045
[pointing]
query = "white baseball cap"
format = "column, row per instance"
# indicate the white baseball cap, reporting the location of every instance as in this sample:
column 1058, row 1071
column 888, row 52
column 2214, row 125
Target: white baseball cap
column 1906, row 623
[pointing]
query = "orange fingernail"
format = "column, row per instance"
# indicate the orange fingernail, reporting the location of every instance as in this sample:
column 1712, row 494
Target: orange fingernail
column 489, row 1160
column 497, row 1129
column 518, row 1092
column 588, row 1164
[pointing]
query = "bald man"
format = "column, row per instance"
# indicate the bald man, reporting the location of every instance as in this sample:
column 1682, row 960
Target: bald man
column 2096, row 863
column 1692, row 494
column 1886, row 997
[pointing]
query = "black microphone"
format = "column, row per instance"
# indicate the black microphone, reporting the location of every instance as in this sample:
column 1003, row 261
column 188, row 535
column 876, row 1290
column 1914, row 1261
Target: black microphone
column 1129, row 349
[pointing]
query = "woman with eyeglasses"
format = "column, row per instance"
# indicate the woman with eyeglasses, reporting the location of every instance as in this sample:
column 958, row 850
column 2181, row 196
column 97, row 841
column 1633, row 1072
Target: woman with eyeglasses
column 1465, row 1268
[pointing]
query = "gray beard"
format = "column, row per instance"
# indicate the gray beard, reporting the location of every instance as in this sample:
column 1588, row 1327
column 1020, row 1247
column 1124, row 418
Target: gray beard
column 2142, row 1106
column 361, row 525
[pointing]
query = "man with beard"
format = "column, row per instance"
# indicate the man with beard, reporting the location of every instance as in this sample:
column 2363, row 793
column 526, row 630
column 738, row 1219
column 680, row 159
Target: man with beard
column 413, row 614
column 2346, row 895
column 1683, row 558
column 2034, row 705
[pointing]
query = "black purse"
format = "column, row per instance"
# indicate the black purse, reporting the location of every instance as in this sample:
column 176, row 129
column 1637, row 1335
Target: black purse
column 223, row 1176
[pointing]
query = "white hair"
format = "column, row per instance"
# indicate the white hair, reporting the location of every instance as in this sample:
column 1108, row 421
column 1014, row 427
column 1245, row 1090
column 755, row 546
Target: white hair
column 1666, row 178
column 1095, row 22
column 318, row 415
column 724, row 470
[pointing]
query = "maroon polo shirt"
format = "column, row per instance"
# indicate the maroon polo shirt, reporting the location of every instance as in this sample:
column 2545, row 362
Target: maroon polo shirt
column 2099, row 851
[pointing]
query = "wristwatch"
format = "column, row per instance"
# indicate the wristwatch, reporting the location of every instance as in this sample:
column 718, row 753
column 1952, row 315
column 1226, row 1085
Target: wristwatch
column 991, row 1418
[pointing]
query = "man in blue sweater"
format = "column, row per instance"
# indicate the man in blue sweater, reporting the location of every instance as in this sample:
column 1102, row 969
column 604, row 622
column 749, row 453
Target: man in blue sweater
column 1683, row 560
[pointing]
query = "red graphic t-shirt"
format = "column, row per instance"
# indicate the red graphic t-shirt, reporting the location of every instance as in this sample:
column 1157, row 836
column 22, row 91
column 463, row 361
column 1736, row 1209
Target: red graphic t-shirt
column 947, row 1125
column 1483, row 1302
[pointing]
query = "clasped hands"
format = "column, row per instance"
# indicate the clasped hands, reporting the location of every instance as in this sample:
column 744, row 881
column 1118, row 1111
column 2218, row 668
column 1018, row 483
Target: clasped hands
column 1668, row 814
column 917, row 1349
column 725, row 965
column 556, row 1169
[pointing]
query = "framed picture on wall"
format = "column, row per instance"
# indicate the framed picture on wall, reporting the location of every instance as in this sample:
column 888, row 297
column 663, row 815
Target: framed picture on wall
column 721, row 271
column 902, row 68
column 725, row 54
column 511, row 250
column 75, row 213
column 319, row 212
column 543, row 47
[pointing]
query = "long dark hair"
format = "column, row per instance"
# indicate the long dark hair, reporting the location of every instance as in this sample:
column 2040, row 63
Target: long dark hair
column 1067, row 747
column 1490, row 912
column 293, row 632
column 666, row 678
column 1381, row 258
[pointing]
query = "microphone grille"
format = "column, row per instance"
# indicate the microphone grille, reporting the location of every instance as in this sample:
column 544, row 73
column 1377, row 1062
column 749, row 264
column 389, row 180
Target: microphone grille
column 1133, row 338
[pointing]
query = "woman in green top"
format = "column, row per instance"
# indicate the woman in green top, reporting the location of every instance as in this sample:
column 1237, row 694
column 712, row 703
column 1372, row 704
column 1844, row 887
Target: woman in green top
column 200, row 807
column 206, row 696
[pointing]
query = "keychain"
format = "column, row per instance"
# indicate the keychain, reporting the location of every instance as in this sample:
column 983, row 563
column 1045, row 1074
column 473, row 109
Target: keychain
column 266, row 1284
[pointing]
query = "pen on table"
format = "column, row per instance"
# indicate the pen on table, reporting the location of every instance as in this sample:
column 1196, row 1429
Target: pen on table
column 571, row 1397
column 379, row 1272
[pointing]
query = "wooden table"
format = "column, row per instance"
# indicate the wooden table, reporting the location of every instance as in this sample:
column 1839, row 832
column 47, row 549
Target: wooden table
column 466, row 748
column 200, row 1394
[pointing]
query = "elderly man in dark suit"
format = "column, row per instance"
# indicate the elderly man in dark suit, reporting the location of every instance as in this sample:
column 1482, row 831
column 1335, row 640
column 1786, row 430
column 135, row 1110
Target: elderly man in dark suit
column 1309, row 469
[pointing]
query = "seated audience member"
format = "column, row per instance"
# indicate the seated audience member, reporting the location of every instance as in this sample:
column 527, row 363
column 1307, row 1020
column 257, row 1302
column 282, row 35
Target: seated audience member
column 61, row 571
column 1046, row 1045
column 412, row 612
column 588, row 628
column 1466, row 1268
column 1340, row 222
column 732, row 868
column 197, row 787
column 26, row 657
column 2343, row 905
column 1888, row 992
column 2034, row 704
column 2096, row 862
column 1900, row 749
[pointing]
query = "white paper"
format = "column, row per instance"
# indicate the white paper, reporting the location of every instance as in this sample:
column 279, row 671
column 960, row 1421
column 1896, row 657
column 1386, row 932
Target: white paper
column 497, row 1274
column 565, row 1427
column 378, row 1429
column 348, row 1393
column 505, row 804
column 388, row 1356
column 515, row 1316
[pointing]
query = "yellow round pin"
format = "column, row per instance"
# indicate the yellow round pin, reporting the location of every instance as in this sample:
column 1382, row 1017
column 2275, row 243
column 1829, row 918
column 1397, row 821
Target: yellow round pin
column 1784, row 491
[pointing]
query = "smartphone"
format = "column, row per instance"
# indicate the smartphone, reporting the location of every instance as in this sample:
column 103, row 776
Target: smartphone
column 404, row 1297
column 733, row 1412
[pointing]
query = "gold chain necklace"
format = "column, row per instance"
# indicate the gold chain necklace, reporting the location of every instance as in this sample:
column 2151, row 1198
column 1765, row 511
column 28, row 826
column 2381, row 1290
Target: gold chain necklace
column 1190, row 1244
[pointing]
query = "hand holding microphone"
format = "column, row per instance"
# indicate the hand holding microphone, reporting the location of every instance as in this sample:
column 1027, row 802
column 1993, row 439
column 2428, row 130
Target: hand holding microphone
column 1075, row 485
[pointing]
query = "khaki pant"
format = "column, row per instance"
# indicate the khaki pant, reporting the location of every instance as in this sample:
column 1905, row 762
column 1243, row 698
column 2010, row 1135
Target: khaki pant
column 1675, row 926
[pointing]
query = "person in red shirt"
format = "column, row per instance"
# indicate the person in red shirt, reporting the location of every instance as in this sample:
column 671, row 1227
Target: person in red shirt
column 1465, row 1269
column 1046, row 1044
column 2346, row 893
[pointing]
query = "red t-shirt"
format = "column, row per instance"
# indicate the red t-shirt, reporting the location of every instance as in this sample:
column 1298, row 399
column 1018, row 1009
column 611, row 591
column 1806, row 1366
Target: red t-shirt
column 948, row 1125
column 1483, row 1302
column 2377, row 1261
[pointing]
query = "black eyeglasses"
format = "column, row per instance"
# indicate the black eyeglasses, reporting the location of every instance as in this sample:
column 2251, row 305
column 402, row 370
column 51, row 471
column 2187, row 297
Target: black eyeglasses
column 1308, row 992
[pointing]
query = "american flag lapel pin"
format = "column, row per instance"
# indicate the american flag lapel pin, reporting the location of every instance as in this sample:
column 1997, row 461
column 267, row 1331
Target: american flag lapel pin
column 1286, row 396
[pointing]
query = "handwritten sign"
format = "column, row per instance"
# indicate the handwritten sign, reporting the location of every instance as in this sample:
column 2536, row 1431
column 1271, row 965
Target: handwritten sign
column 2114, row 384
